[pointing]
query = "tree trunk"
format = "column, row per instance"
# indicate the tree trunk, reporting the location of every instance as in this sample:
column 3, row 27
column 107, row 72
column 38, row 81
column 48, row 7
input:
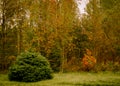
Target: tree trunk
column 19, row 37
column 62, row 60
column 3, row 36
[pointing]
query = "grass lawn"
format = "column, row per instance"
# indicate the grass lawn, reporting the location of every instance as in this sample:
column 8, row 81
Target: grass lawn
column 71, row 79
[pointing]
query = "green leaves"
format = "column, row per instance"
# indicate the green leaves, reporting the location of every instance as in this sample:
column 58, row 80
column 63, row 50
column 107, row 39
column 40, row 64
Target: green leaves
column 30, row 67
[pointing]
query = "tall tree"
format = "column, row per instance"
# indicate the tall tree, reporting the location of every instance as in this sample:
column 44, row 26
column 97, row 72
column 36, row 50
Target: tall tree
column 54, row 23
column 66, row 15
column 100, row 27
column 8, row 9
column 111, row 24
column 94, row 16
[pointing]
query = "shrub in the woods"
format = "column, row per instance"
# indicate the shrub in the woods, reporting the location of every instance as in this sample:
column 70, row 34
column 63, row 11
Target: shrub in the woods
column 73, row 65
column 88, row 61
column 81, row 42
column 30, row 67
column 6, row 62
column 107, row 66
column 54, row 58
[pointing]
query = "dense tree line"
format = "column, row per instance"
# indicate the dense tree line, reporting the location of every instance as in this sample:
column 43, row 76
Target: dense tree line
column 102, row 23
column 53, row 28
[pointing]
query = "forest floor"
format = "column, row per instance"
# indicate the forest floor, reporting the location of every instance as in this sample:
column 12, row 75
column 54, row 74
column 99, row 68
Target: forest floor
column 71, row 79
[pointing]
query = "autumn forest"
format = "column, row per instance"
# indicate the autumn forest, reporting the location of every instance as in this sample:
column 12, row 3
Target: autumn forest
column 71, row 41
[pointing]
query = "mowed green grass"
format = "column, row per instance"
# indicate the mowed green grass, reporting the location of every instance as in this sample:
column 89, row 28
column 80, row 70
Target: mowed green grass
column 71, row 79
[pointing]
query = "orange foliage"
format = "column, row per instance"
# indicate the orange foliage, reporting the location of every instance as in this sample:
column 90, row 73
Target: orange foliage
column 88, row 61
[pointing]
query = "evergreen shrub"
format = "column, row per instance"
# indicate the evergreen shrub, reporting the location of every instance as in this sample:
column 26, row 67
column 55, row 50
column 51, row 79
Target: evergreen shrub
column 30, row 67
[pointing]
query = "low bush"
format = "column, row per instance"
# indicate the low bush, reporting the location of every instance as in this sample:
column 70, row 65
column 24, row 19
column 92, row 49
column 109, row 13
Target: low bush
column 88, row 61
column 108, row 66
column 30, row 67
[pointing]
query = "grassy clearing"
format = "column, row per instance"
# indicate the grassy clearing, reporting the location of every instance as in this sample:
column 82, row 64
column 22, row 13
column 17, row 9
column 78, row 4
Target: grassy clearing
column 71, row 79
